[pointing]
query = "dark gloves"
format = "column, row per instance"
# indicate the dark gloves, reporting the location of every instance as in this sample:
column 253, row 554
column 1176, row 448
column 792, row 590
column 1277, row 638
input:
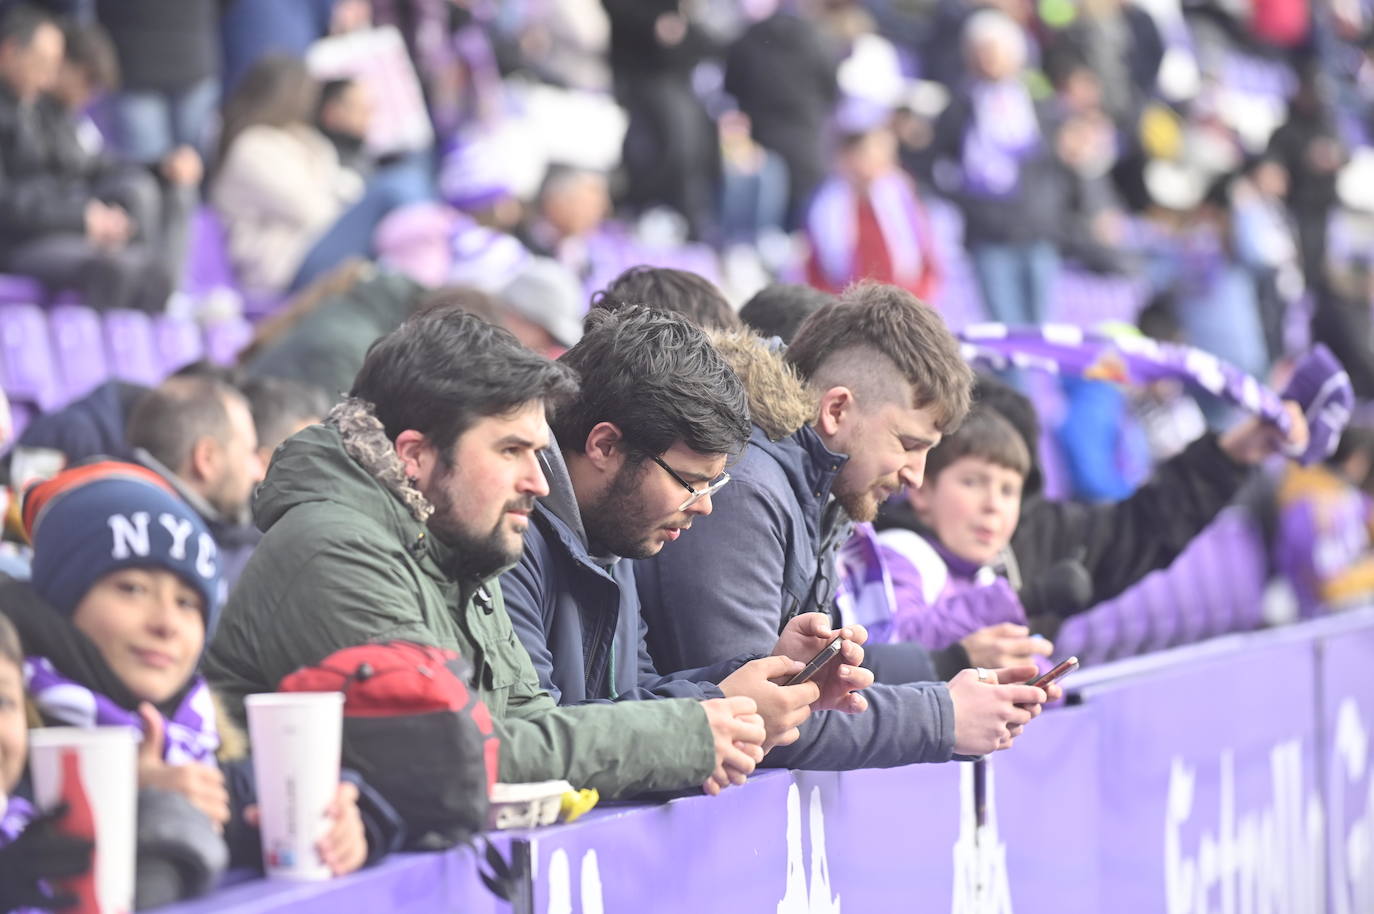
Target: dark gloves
column 41, row 854
column 180, row 853
column 1061, row 590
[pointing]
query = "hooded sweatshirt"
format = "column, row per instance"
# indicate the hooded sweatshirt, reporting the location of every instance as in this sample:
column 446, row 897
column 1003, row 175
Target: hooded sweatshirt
column 346, row 559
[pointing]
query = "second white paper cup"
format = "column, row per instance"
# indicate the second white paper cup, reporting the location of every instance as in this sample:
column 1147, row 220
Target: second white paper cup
column 94, row 770
column 297, row 740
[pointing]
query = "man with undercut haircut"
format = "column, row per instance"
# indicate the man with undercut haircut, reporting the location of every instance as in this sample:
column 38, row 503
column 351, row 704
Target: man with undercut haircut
column 884, row 381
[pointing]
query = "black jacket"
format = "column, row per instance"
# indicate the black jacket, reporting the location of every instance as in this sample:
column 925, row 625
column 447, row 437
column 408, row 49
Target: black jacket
column 782, row 74
column 163, row 44
column 89, row 427
column 635, row 49
column 46, row 176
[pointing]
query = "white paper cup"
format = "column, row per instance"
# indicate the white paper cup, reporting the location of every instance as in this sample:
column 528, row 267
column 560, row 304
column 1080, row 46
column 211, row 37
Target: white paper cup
column 296, row 739
column 95, row 772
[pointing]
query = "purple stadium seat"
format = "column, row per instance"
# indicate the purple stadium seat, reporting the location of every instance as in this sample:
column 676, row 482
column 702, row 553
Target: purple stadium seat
column 28, row 371
column 20, row 290
column 178, row 342
column 79, row 345
column 225, row 339
column 207, row 264
column 130, row 347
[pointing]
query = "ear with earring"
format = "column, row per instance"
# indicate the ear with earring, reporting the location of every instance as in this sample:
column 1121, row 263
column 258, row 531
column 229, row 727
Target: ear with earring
column 413, row 481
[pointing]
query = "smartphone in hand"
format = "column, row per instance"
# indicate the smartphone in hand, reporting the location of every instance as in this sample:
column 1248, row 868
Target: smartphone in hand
column 1060, row 671
column 827, row 654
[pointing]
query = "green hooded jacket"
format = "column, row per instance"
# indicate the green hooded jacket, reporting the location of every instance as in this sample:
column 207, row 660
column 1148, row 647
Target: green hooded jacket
column 347, row 559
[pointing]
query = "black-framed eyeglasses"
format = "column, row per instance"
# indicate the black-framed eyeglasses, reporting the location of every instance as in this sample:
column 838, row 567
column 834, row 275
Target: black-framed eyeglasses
column 697, row 494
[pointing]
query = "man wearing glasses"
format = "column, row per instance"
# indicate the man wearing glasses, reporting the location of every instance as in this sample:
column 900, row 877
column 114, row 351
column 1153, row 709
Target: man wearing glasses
column 641, row 451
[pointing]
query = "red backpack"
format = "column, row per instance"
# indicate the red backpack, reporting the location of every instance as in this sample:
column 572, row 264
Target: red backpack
column 415, row 732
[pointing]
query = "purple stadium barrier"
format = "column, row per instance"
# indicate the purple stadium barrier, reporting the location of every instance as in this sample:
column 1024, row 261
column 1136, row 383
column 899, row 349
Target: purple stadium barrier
column 178, row 341
column 1184, row 781
column 27, row 370
column 79, row 345
column 129, row 345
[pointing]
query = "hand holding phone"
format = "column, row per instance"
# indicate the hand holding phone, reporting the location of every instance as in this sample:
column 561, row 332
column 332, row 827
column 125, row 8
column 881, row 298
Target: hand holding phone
column 826, row 654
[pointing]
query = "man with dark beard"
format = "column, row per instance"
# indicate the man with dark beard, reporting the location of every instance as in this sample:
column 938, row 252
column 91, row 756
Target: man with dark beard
column 393, row 519
column 642, row 456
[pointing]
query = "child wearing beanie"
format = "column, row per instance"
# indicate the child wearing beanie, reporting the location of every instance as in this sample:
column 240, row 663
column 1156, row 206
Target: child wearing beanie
column 124, row 593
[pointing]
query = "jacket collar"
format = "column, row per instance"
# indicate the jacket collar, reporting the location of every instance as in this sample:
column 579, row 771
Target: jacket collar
column 811, row 467
column 363, row 439
column 563, row 516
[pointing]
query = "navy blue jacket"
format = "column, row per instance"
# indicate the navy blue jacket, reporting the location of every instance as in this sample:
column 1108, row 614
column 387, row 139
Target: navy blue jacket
column 764, row 554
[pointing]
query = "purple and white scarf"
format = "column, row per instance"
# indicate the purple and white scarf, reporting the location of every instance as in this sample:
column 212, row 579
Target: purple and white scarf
column 863, row 586
column 1063, row 349
column 833, row 226
column 17, row 815
column 190, row 734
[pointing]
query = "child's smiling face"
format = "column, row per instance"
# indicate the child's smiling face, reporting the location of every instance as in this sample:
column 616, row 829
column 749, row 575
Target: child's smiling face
column 149, row 625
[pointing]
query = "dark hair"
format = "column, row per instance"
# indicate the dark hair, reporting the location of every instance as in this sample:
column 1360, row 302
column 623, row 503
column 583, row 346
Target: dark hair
column 984, row 433
column 276, row 91
column 21, row 22
column 444, row 369
column 10, row 648
column 664, row 289
column 280, row 404
column 1158, row 320
column 89, row 47
column 1016, row 408
column 657, row 377
column 779, row 309
column 168, row 420
column 874, row 318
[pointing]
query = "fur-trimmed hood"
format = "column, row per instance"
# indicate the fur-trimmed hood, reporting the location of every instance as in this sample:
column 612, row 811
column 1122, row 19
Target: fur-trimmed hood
column 779, row 400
